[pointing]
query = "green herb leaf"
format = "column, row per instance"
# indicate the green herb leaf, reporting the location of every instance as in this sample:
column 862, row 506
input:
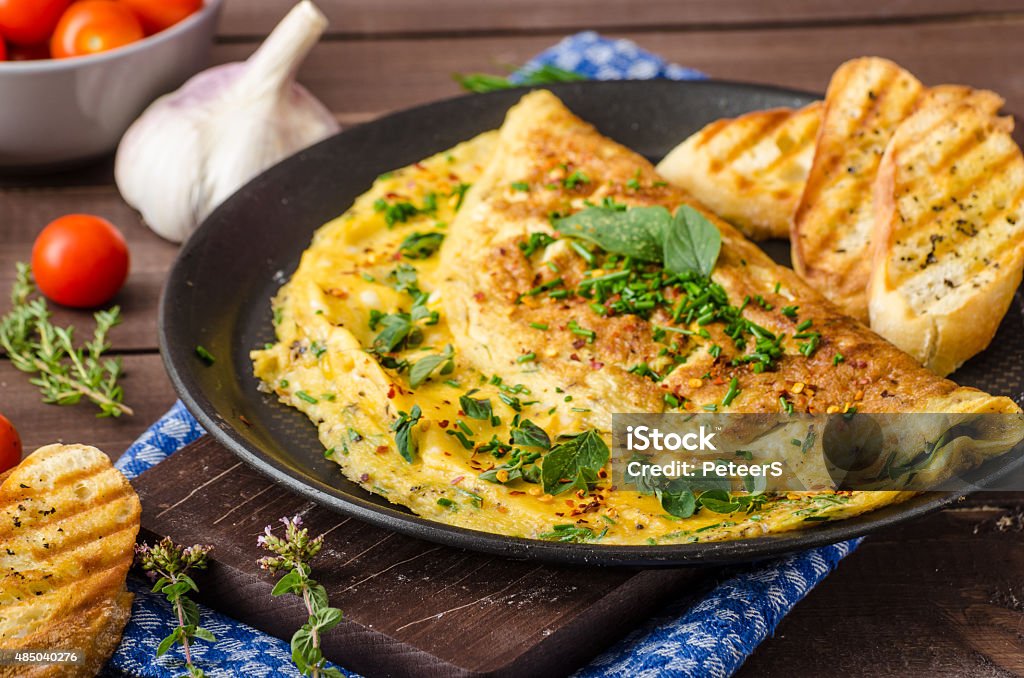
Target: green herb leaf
column 167, row 643
column 424, row 367
column 290, row 583
column 421, row 245
column 692, row 244
column 529, row 434
column 476, row 409
column 678, row 500
column 404, row 440
column 574, row 463
column 545, row 75
column 636, row 232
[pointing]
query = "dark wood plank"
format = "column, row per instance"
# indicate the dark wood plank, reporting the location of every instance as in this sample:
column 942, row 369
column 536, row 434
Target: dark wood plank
column 411, row 607
column 24, row 212
column 377, row 17
column 147, row 391
column 364, row 78
column 942, row 596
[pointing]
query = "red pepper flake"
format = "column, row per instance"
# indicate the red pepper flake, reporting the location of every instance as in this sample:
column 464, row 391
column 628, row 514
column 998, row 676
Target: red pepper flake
column 391, row 196
column 419, row 166
column 596, row 364
column 382, row 449
column 364, row 478
column 479, row 296
column 574, row 357
column 569, row 503
column 579, row 343
column 391, row 392
column 456, row 481
column 245, row 421
column 443, row 423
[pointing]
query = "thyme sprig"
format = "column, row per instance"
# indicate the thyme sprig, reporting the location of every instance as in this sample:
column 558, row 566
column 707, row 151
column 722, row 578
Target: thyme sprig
column 64, row 374
column 293, row 553
column 170, row 564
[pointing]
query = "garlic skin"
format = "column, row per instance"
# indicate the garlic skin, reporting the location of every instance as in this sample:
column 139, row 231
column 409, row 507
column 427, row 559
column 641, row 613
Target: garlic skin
column 193, row 148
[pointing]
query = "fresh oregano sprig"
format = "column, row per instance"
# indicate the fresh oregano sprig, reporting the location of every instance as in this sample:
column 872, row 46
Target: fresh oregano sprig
column 64, row 374
column 293, row 554
column 170, row 564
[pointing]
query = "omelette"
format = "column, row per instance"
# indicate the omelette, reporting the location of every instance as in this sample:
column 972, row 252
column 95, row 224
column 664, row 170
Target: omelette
column 462, row 357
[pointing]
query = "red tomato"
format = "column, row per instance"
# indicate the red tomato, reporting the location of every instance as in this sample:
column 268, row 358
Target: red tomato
column 80, row 261
column 3, row 49
column 10, row 445
column 94, row 26
column 27, row 22
column 28, row 52
column 156, row 15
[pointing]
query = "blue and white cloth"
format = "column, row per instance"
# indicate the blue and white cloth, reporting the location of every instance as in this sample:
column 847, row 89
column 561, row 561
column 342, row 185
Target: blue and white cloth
column 707, row 635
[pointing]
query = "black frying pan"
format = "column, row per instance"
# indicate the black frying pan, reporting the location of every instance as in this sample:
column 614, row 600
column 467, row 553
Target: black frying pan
column 219, row 291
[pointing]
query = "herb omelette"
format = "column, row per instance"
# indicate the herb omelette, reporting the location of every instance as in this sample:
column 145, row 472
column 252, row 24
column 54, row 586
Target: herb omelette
column 462, row 335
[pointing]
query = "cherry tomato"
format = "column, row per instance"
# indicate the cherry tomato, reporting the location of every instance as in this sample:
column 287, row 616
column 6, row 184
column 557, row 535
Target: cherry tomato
column 156, row 15
column 10, row 445
column 28, row 52
column 27, row 22
column 3, row 49
column 94, row 26
column 80, row 261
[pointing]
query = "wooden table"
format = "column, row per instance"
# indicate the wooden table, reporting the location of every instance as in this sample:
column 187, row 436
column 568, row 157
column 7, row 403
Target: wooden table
column 944, row 595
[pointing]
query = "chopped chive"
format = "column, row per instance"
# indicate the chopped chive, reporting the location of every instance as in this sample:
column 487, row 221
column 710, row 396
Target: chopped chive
column 730, row 395
column 543, row 327
column 302, row 395
column 527, row 357
column 205, row 355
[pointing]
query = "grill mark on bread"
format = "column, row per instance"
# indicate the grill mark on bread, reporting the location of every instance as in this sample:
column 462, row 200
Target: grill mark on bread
column 768, row 124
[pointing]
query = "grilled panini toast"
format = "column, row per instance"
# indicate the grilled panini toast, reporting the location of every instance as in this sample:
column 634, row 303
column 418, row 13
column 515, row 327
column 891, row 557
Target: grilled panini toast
column 749, row 170
column 949, row 233
column 68, row 522
column 867, row 98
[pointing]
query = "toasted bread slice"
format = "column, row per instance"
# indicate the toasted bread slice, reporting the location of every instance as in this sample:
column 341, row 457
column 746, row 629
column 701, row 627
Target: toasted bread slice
column 749, row 170
column 68, row 522
column 982, row 99
column 949, row 233
column 866, row 100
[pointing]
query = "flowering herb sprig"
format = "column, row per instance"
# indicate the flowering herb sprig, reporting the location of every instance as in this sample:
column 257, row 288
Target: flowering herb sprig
column 292, row 554
column 169, row 565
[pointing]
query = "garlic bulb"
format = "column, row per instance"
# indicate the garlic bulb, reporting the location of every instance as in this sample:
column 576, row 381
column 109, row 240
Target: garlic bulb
column 193, row 148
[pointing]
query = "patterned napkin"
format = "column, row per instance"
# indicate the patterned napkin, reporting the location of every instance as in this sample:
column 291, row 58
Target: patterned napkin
column 707, row 635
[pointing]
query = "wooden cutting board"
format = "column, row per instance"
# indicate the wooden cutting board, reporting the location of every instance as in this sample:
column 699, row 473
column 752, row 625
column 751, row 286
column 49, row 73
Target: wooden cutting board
column 412, row 608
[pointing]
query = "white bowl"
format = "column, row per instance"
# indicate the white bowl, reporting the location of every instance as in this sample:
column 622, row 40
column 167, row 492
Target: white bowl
column 59, row 112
